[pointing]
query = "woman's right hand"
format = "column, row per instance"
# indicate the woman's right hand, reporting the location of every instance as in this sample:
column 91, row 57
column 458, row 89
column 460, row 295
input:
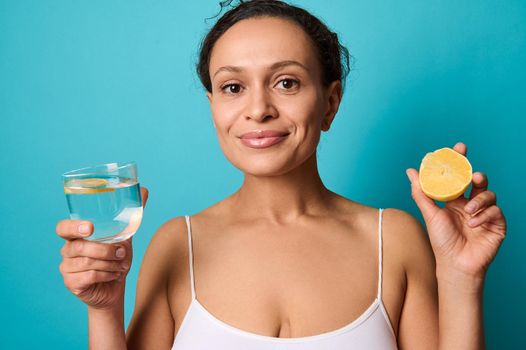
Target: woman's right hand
column 94, row 272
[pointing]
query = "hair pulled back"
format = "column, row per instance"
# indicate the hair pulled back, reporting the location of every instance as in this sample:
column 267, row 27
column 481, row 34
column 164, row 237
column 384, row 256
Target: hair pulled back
column 333, row 56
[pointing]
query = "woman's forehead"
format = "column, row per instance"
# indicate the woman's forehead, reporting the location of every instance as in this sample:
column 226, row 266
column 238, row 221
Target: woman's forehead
column 262, row 42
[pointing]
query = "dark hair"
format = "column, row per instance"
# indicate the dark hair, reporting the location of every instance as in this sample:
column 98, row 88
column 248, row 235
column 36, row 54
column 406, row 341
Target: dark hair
column 333, row 56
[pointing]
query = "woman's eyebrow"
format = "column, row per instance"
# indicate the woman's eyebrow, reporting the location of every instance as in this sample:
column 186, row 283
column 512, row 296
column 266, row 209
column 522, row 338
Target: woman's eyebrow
column 274, row 66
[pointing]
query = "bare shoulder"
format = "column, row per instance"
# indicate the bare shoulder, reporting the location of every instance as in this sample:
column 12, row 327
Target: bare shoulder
column 171, row 233
column 166, row 245
column 408, row 239
column 167, row 254
column 152, row 323
column 405, row 239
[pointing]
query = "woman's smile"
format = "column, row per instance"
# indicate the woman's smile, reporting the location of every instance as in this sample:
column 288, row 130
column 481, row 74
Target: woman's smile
column 263, row 138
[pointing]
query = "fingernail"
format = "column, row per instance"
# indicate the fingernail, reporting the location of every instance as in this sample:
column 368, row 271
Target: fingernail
column 407, row 173
column 472, row 222
column 120, row 252
column 471, row 207
column 125, row 266
column 84, row 229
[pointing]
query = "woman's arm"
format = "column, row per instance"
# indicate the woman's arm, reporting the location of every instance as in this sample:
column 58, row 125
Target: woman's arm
column 407, row 241
column 465, row 236
column 106, row 328
column 442, row 309
column 460, row 311
column 152, row 324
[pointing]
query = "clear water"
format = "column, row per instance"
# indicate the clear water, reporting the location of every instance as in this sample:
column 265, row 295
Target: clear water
column 113, row 204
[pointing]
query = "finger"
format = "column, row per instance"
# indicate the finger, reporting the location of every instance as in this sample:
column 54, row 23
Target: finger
column 73, row 229
column 144, row 196
column 461, row 148
column 479, row 184
column 491, row 214
column 85, row 263
column 426, row 205
column 77, row 282
column 484, row 200
column 95, row 250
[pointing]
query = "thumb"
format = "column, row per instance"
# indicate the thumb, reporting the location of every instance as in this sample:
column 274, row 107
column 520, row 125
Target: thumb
column 144, row 196
column 426, row 205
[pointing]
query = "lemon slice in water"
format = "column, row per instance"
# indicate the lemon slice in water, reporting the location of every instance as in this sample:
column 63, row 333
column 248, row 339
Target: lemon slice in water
column 87, row 186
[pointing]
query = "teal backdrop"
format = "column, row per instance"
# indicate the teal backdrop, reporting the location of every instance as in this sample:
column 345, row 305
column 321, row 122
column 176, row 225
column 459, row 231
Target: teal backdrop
column 87, row 82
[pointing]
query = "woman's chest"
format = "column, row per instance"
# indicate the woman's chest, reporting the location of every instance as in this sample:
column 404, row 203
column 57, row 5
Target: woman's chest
column 289, row 288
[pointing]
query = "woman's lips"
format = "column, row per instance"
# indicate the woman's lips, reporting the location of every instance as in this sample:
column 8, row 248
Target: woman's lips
column 262, row 139
column 263, row 142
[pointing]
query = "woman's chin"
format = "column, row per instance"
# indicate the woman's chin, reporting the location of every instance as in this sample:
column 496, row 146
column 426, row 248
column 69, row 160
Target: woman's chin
column 264, row 168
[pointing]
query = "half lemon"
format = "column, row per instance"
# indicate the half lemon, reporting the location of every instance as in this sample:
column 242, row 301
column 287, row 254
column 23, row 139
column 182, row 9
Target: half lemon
column 445, row 174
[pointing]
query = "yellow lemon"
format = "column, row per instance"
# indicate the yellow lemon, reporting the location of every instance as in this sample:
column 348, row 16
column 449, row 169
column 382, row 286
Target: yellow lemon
column 445, row 174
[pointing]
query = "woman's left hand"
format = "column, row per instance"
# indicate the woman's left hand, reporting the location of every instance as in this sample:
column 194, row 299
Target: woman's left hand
column 463, row 240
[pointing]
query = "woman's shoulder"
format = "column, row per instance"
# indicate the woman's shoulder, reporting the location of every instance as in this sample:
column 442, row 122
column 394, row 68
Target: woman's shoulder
column 174, row 232
column 395, row 222
column 167, row 244
column 407, row 239
column 394, row 218
column 404, row 225
column 402, row 222
column 171, row 229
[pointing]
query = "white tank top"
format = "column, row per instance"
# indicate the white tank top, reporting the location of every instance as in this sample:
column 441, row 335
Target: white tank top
column 200, row 330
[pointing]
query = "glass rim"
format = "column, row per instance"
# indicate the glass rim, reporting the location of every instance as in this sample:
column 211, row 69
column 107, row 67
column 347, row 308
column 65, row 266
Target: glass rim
column 86, row 170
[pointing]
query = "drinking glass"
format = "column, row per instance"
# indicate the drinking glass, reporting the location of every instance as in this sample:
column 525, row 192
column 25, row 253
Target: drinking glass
column 109, row 196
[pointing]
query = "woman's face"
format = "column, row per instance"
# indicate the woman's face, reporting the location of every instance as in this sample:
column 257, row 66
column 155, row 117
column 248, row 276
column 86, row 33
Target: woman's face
column 268, row 102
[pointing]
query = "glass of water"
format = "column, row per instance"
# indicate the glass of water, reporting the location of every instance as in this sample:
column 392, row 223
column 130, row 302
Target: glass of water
column 108, row 195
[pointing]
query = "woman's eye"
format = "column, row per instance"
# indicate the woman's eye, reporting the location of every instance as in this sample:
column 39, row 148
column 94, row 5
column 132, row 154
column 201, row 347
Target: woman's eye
column 288, row 84
column 231, row 88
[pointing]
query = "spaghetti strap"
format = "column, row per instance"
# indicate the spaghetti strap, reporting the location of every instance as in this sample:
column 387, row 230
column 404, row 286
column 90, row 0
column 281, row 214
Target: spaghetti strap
column 379, row 296
column 190, row 256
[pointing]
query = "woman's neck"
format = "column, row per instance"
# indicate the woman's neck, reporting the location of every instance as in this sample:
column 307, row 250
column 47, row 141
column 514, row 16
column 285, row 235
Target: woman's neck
column 283, row 198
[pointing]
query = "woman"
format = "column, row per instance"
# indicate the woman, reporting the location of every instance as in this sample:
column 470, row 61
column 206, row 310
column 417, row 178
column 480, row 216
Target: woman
column 284, row 262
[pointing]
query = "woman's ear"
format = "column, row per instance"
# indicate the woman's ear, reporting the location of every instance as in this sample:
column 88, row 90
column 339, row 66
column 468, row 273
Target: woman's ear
column 209, row 96
column 334, row 97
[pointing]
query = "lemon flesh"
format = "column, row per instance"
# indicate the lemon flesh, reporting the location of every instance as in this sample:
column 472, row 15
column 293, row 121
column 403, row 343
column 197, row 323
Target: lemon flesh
column 445, row 174
column 87, row 186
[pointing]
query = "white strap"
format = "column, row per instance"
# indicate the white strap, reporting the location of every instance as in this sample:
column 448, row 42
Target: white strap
column 190, row 255
column 379, row 296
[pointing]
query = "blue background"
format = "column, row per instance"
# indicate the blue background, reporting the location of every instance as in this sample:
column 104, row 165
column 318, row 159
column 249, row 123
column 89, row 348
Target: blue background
column 86, row 82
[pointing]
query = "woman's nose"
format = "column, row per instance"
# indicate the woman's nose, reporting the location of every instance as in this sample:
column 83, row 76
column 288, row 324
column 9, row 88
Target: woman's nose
column 260, row 106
